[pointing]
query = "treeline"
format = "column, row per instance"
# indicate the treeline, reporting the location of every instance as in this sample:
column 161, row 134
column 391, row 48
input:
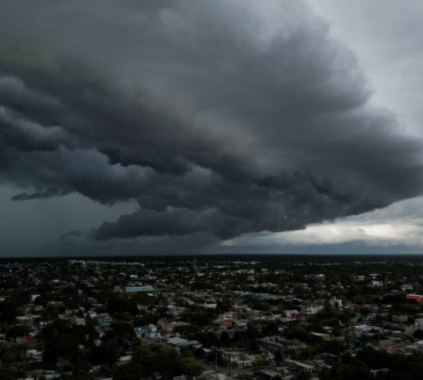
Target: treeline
column 150, row 359
column 377, row 365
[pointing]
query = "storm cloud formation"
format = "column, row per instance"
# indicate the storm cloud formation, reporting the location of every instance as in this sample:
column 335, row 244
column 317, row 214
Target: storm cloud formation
column 219, row 117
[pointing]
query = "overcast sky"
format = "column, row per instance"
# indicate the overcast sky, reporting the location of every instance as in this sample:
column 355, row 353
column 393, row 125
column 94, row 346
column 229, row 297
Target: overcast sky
column 190, row 126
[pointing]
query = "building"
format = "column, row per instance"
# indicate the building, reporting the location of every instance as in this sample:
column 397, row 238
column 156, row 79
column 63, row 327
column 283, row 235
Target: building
column 136, row 289
column 180, row 342
column 336, row 303
column 267, row 374
column 415, row 297
column 104, row 320
column 27, row 341
column 149, row 332
column 400, row 318
column 301, row 365
column 33, row 297
column 34, row 355
column 237, row 359
column 80, row 321
column 321, row 336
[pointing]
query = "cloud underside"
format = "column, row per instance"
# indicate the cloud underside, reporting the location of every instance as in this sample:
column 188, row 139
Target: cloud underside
column 220, row 118
column 397, row 228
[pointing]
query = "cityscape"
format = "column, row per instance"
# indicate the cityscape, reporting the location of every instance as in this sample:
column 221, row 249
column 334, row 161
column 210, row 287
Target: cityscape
column 222, row 318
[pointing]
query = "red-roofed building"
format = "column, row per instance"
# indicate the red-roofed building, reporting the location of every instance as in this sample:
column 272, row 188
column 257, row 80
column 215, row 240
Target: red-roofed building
column 27, row 341
column 415, row 297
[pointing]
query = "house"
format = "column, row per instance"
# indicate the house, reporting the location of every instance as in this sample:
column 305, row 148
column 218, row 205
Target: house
column 241, row 325
column 33, row 297
column 27, row 341
column 237, row 359
column 34, row 355
column 124, row 359
column 301, row 365
column 49, row 375
column 400, row 318
column 214, row 376
column 92, row 314
column 321, row 336
column 416, row 298
column 104, row 320
column 149, row 332
column 180, row 342
column 79, row 321
column 169, row 327
column 136, row 289
column 292, row 314
column 24, row 319
column 209, row 305
column 312, row 309
column 267, row 374
column 226, row 321
column 336, row 303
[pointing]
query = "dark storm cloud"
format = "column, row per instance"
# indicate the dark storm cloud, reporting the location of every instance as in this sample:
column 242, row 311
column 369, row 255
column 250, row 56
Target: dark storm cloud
column 84, row 171
column 28, row 135
column 47, row 193
column 172, row 222
column 218, row 117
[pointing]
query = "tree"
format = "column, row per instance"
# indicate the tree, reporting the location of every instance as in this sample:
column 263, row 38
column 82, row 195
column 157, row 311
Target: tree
column 270, row 329
column 259, row 361
column 125, row 316
column 60, row 346
column 224, row 305
column 297, row 332
column 190, row 367
column 9, row 355
column 122, row 304
column 107, row 353
column 349, row 369
column 418, row 334
column 9, row 375
column 157, row 358
column 278, row 357
column 37, row 374
column 130, row 371
column 121, row 332
column 224, row 339
column 83, row 375
column 303, row 375
column 11, row 308
column 19, row 330
column 208, row 339
column 4, row 327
